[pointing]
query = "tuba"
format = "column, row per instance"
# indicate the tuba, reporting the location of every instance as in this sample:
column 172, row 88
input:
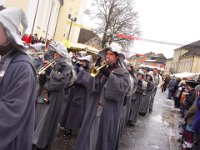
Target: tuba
column 43, row 69
column 95, row 70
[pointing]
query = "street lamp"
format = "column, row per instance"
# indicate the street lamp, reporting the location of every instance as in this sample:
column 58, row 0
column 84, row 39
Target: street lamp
column 35, row 16
column 72, row 20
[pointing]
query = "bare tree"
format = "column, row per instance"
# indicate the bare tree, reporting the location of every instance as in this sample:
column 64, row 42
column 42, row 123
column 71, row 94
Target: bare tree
column 116, row 17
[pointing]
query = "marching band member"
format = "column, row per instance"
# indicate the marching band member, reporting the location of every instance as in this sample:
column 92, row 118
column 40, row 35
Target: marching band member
column 157, row 84
column 60, row 77
column 127, row 100
column 136, row 99
column 100, row 129
column 77, row 101
column 133, row 74
column 38, row 58
column 84, row 62
column 148, row 94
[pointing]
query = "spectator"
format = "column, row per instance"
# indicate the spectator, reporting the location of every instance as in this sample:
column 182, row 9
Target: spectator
column 196, row 122
column 171, row 87
column 189, row 99
column 165, row 82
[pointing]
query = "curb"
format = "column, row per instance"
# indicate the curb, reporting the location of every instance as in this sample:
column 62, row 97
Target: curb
column 174, row 144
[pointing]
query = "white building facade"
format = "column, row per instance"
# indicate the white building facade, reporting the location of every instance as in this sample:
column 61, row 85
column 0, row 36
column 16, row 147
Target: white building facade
column 49, row 18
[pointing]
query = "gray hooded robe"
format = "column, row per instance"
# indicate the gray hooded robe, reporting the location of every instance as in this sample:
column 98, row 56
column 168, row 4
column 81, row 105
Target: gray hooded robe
column 147, row 98
column 47, row 115
column 100, row 129
column 136, row 102
column 127, row 103
column 17, row 109
column 76, row 104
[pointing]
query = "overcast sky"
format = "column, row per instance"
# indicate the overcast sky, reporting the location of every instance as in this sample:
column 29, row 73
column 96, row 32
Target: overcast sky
column 175, row 21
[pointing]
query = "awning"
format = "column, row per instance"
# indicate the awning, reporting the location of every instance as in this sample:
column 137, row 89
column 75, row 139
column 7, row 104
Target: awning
column 152, row 67
column 79, row 46
column 185, row 75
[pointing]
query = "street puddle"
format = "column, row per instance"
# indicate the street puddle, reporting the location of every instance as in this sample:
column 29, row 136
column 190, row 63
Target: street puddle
column 157, row 118
column 168, row 119
column 165, row 124
column 156, row 147
column 170, row 132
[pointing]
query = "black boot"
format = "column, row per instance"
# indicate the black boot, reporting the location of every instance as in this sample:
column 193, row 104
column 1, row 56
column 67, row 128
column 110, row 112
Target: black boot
column 131, row 123
column 68, row 132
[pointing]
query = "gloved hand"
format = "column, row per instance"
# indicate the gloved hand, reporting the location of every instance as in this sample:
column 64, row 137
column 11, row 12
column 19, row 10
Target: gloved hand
column 78, row 65
column 105, row 71
column 58, row 67
column 98, row 61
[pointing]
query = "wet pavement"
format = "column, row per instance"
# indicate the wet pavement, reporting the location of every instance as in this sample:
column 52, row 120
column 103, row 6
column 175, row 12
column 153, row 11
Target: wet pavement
column 156, row 131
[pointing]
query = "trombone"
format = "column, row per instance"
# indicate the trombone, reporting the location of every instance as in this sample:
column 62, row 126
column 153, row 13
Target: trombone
column 43, row 69
column 95, row 70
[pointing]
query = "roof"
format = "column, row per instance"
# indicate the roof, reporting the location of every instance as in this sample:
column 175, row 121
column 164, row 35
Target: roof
column 170, row 59
column 152, row 67
column 152, row 57
column 160, row 55
column 149, row 54
column 143, row 55
column 61, row 2
column 193, row 52
column 85, row 35
column 190, row 46
column 139, row 54
column 136, row 55
column 95, row 42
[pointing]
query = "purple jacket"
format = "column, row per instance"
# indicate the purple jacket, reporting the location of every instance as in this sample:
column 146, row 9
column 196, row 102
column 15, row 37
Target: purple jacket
column 172, row 84
column 196, row 123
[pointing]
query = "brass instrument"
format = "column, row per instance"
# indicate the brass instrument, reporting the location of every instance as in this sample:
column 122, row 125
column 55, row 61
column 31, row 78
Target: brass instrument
column 95, row 70
column 43, row 69
column 34, row 53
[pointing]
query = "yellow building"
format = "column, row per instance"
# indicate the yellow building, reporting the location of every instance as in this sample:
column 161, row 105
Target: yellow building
column 17, row 3
column 168, row 66
column 189, row 62
column 49, row 18
column 76, row 8
column 186, row 58
column 177, row 54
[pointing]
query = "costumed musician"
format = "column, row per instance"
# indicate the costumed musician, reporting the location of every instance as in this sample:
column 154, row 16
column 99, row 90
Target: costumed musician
column 77, row 100
column 57, row 80
column 37, row 53
column 108, row 86
column 137, row 98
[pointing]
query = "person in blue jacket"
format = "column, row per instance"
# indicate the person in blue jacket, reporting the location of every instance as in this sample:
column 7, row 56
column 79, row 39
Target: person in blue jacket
column 196, row 122
column 171, row 86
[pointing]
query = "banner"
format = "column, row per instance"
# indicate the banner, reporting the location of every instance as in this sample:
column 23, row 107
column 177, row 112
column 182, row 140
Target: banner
column 129, row 37
column 66, row 43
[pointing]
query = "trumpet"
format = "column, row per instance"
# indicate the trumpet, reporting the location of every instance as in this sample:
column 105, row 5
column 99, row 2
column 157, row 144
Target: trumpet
column 43, row 69
column 95, row 70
